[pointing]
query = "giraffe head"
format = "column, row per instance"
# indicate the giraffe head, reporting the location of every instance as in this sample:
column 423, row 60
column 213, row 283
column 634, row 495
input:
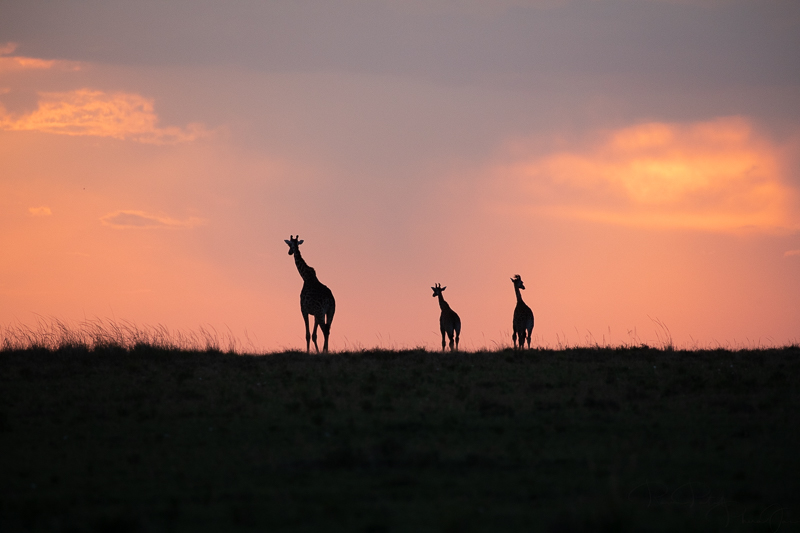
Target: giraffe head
column 518, row 282
column 293, row 243
column 437, row 290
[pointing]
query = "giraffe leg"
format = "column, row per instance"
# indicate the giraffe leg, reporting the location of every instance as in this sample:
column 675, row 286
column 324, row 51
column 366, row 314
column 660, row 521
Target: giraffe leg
column 308, row 335
column 458, row 332
column 450, row 336
column 529, row 339
column 443, row 343
column 514, row 340
column 325, row 326
column 314, row 335
column 328, row 321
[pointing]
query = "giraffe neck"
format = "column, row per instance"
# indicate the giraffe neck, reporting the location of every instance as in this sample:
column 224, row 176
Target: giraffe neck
column 519, row 295
column 442, row 304
column 306, row 272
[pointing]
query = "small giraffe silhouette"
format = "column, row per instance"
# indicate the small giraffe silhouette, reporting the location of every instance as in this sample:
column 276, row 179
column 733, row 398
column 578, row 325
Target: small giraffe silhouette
column 523, row 316
column 315, row 298
column 449, row 322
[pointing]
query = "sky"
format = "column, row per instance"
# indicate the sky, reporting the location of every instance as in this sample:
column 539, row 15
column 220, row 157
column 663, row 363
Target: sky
column 637, row 162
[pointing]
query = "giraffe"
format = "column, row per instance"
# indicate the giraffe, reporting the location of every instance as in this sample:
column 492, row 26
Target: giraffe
column 523, row 317
column 449, row 321
column 315, row 298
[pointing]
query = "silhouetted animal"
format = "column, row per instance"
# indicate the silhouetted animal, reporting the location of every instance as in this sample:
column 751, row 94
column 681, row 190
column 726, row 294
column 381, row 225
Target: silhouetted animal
column 449, row 322
column 315, row 299
column 523, row 316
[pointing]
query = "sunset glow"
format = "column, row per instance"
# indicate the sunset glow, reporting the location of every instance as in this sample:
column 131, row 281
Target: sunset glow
column 714, row 176
column 152, row 176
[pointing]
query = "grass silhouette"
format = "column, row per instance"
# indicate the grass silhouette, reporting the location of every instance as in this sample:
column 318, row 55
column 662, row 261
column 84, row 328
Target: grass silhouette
column 118, row 428
column 54, row 335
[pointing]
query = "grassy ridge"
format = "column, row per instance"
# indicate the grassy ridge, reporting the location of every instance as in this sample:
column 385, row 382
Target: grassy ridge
column 147, row 438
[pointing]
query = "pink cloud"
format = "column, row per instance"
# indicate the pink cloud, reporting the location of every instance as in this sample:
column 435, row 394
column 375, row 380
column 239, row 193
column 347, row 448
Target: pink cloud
column 20, row 63
column 716, row 175
column 141, row 219
column 124, row 116
column 40, row 211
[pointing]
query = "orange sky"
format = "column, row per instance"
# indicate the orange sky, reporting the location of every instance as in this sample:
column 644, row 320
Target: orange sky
column 161, row 192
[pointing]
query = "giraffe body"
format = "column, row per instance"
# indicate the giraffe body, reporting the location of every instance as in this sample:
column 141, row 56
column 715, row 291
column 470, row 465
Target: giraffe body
column 523, row 317
column 316, row 299
column 449, row 321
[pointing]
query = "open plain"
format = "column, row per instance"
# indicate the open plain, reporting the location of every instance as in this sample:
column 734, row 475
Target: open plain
column 586, row 439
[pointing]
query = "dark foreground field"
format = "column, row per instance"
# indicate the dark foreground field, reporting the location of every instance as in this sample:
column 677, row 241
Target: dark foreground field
column 632, row 439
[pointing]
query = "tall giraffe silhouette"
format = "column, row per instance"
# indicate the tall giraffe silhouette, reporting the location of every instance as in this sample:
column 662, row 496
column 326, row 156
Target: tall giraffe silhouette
column 523, row 316
column 449, row 322
column 315, row 298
